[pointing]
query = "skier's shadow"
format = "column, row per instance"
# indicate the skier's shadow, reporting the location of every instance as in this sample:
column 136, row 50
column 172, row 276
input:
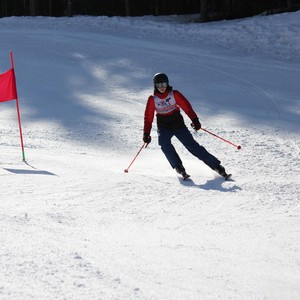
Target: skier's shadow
column 213, row 184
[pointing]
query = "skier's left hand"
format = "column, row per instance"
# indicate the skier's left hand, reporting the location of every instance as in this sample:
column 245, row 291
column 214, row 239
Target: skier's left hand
column 196, row 124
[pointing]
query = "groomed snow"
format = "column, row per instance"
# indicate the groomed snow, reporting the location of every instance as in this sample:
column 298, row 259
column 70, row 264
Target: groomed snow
column 73, row 225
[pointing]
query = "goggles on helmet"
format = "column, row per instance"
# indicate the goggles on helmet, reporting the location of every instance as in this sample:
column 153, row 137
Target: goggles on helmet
column 161, row 84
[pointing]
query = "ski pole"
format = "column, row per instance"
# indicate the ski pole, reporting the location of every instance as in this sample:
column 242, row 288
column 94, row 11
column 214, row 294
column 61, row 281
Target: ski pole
column 126, row 170
column 238, row 147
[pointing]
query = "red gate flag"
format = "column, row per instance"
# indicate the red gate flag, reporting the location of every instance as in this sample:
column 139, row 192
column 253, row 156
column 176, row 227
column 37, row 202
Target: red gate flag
column 8, row 90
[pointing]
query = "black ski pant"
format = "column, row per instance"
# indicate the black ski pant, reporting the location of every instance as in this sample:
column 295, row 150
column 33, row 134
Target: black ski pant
column 185, row 137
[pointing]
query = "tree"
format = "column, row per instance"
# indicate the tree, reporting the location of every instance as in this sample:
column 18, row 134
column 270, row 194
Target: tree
column 156, row 8
column 69, row 8
column 204, row 10
column 290, row 4
column 33, row 7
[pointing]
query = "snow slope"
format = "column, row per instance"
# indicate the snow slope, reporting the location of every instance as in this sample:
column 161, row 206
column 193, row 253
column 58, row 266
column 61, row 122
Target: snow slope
column 75, row 226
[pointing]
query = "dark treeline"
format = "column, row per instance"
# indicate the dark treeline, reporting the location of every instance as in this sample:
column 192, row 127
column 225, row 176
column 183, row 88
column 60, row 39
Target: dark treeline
column 209, row 9
column 97, row 7
column 230, row 9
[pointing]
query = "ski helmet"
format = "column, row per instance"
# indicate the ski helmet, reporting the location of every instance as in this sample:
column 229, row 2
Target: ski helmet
column 160, row 78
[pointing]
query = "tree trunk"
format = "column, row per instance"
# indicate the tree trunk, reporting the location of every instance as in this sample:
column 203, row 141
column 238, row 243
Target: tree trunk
column 155, row 8
column 3, row 10
column 32, row 7
column 203, row 10
column 50, row 8
column 24, row 7
column 69, row 8
column 127, row 8
column 290, row 3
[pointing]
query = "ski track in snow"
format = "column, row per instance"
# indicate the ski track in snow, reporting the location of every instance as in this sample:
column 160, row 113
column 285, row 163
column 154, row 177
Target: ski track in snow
column 75, row 226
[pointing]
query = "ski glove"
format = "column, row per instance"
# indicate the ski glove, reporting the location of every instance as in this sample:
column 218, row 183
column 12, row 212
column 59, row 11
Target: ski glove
column 196, row 124
column 147, row 138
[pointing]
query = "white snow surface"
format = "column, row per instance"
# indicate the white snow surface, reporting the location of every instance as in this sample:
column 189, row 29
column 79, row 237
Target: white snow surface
column 73, row 225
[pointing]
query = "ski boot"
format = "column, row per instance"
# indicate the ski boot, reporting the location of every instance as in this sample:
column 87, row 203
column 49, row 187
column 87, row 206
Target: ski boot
column 221, row 170
column 181, row 170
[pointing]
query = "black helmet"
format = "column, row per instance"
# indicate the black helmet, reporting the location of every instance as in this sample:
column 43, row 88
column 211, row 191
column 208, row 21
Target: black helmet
column 160, row 78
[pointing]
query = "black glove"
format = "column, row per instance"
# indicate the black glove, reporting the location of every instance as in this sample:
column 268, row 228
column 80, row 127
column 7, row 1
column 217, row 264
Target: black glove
column 147, row 138
column 196, row 124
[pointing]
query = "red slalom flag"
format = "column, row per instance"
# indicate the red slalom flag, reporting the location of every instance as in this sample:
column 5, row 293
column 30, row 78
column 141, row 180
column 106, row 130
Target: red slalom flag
column 8, row 90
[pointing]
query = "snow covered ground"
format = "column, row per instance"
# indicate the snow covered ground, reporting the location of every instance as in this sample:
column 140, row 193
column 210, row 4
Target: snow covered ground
column 75, row 226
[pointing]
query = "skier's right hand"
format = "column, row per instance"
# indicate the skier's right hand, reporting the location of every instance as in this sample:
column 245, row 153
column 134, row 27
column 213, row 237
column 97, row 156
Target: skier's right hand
column 147, row 138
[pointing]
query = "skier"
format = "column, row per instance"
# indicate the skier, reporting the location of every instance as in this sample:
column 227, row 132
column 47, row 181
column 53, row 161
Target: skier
column 167, row 102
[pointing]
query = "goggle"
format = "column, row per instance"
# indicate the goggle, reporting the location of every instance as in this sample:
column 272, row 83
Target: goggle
column 161, row 85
